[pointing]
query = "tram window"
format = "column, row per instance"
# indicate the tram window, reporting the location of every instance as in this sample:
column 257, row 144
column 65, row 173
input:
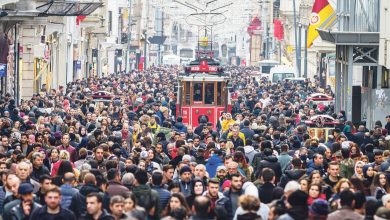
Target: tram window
column 219, row 93
column 198, row 92
column 187, row 93
column 209, row 93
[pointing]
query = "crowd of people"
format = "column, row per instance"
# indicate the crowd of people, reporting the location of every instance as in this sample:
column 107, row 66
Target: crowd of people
column 64, row 155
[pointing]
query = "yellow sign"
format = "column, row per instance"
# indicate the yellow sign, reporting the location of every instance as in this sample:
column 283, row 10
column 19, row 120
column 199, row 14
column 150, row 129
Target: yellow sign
column 204, row 41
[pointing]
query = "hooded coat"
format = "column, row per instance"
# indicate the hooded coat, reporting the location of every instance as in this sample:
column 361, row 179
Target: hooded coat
column 213, row 162
column 250, row 153
column 272, row 163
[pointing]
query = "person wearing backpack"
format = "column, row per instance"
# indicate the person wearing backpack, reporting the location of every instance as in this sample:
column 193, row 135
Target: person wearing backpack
column 147, row 198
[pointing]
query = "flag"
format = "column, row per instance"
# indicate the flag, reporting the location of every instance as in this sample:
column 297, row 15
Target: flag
column 278, row 30
column 321, row 16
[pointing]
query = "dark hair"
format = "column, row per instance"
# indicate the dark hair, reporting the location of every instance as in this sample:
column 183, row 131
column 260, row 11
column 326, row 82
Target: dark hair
column 284, row 147
column 183, row 202
column 201, row 206
column 371, row 206
column 64, row 167
column 173, row 184
column 157, row 178
column 98, row 197
column 111, row 174
column 267, row 174
column 213, row 181
column 167, row 167
column 141, row 176
column 44, row 177
column 346, row 198
column 360, row 199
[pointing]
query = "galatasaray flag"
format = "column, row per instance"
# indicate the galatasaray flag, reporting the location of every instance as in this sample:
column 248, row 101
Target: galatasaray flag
column 322, row 16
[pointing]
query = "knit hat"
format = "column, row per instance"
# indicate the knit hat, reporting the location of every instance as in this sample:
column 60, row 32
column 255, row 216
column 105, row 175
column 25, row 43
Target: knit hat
column 226, row 184
column 186, row 157
column 144, row 155
column 185, row 169
column 298, row 198
column 319, row 207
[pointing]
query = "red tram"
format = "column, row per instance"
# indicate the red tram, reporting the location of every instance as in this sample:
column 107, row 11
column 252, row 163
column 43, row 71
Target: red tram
column 203, row 91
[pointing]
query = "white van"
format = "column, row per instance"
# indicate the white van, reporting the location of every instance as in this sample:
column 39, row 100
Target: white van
column 280, row 73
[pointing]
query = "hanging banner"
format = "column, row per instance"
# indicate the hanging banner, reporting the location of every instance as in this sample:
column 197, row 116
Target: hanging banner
column 3, row 70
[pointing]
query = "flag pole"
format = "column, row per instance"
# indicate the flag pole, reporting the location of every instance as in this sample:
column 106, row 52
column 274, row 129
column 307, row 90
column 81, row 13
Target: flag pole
column 296, row 38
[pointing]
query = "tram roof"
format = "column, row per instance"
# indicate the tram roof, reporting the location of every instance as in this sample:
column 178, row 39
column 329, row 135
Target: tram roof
column 197, row 77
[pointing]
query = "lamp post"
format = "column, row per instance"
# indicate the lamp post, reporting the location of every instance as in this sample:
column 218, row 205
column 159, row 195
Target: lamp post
column 128, row 64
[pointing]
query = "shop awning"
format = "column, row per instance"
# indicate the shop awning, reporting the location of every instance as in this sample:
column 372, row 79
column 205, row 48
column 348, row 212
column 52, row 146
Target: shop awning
column 68, row 8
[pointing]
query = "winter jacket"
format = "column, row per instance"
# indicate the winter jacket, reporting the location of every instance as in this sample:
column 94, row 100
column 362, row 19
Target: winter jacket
column 272, row 163
column 213, row 162
column 103, row 216
column 115, row 188
column 2, row 198
column 266, row 192
column 41, row 214
column 36, row 173
column 225, row 124
column 165, row 195
column 148, row 198
column 18, row 214
column 248, row 133
column 250, row 152
column 224, row 205
column 284, row 159
column 344, row 213
column 289, row 175
column 185, row 188
column 296, row 213
column 347, row 168
column 78, row 204
column 311, row 167
column 67, row 192
column 180, row 127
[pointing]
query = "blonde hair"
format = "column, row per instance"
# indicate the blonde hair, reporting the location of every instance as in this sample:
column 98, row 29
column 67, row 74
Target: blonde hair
column 64, row 155
column 249, row 203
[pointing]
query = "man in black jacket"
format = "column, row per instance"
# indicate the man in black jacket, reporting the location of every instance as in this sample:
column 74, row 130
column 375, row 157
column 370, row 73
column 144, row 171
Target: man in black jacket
column 270, row 161
column 147, row 198
column 228, row 204
column 95, row 208
column 293, row 174
column 267, row 189
column 52, row 209
column 79, row 204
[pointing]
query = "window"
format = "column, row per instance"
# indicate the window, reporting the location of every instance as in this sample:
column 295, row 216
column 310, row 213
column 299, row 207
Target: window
column 109, row 21
column 219, row 93
column 385, row 78
column 187, row 93
column 198, row 92
column 209, row 93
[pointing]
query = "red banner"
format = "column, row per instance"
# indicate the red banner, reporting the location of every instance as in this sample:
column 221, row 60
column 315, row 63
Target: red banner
column 278, row 30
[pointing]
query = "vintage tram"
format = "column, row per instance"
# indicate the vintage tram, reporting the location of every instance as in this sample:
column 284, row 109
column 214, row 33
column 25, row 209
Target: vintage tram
column 203, row 91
